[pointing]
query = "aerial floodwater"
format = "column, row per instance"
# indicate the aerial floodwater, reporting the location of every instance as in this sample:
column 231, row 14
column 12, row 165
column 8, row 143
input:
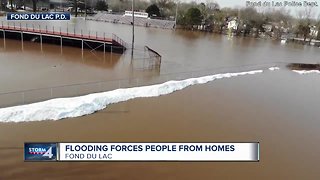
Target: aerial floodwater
column 225, row 90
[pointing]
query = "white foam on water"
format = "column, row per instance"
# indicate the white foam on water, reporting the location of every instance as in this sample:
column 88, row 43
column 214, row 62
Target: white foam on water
column 306, row 71
column 274, row 68
column 61, row 108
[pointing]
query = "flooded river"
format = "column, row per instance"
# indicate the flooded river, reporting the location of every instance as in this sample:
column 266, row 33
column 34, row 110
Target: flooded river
column 182, row 51
column 279, row 108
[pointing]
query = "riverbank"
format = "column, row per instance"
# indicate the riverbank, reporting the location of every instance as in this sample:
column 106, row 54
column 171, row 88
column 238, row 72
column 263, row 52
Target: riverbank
column 170, row 25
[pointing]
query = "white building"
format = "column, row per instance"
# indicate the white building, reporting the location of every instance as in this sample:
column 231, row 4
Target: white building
column 313, row 31
column 233, row 24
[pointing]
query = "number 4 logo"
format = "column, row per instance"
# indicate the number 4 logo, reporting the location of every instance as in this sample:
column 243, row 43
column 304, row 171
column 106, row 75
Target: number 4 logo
column 48, row 153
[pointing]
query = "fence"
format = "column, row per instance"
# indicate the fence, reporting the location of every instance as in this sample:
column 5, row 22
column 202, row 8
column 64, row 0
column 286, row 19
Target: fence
column 144, row 58
column 149, row 61
column 41, row 94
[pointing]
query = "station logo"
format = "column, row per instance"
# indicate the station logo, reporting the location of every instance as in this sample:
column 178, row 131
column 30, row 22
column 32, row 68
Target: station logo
column 40, row 151
column 38, row 16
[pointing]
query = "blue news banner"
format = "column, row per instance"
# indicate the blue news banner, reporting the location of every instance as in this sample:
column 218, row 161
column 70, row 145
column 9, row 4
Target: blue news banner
column 40, row 151
column 245, row 152
column 38, row 16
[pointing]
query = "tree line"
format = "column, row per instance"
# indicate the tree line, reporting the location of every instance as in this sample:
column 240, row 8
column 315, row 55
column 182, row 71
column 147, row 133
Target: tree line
column 273, row 23
column 209, row 15
column 19, row 4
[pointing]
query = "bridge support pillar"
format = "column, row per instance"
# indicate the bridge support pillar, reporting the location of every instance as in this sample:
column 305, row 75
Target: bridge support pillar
column 61, row 44
column 4, row 38
column 82, row 48
column 41, row 41
column 22, row 40
column 104, row 51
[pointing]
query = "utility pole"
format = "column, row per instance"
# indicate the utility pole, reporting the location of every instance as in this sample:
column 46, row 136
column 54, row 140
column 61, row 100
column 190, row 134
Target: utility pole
column 85, row 9
column 132, row 27
column 175, row 20
column 75, row 6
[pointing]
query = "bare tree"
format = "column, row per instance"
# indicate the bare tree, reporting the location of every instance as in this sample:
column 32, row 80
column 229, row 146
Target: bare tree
column 212, row 5
column 11, row 4
column 318, row 27
column 167, row 7
column 119, row 5
column 165, row 3
column 3, row 5
column 304, row 22
column 75, row 7
column 280, row 20
column 34, row 5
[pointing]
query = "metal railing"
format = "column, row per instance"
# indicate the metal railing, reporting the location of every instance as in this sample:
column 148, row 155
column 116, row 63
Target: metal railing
column 41, row 94
column 62, row 31
column 119, row 40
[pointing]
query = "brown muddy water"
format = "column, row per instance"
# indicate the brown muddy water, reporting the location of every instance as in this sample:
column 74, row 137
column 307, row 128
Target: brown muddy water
column 181, row 51
column 277, row 108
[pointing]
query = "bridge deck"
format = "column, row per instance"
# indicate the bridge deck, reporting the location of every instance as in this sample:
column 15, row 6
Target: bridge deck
column 114, row 40
column 58, row 33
